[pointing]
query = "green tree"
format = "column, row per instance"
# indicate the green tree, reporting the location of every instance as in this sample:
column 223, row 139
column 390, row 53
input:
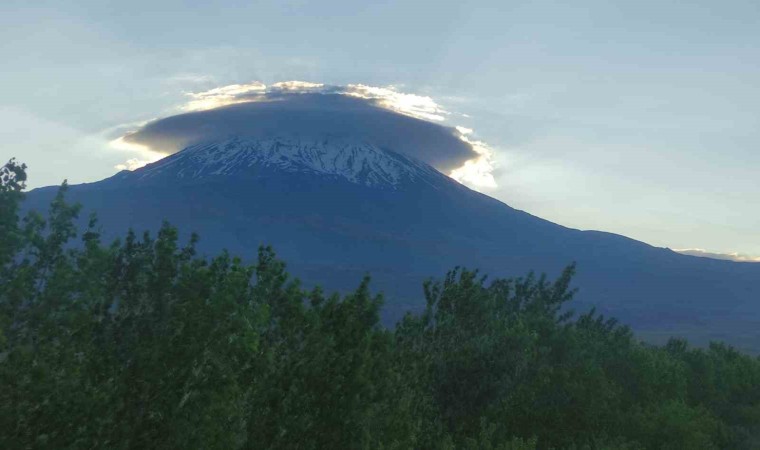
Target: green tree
column 141, row 343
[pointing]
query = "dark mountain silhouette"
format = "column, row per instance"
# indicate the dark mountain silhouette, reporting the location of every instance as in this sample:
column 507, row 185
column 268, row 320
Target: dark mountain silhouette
column 337, row 208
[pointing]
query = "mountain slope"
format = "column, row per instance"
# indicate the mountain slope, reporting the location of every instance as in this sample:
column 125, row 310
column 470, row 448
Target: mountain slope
column 336, row 209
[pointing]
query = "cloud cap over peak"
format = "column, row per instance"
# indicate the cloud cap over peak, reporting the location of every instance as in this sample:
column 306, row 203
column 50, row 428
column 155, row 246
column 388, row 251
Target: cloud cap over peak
column 380, row 116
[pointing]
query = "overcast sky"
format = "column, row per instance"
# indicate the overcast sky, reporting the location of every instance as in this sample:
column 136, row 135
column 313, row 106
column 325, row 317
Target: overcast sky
column 638, row 117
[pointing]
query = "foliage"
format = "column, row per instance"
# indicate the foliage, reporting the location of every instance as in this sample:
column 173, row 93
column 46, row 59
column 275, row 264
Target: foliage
column 141, row 343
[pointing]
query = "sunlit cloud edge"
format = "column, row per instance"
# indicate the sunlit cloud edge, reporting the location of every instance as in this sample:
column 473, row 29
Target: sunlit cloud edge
column 475, row 173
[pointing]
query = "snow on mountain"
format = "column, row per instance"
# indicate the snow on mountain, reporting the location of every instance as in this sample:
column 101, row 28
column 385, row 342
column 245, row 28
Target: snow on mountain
column 358, row 162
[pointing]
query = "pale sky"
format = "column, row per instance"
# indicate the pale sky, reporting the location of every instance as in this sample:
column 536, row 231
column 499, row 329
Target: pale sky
column 640, row 117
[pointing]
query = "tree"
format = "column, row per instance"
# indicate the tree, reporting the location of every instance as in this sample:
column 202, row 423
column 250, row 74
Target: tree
column 141, row 343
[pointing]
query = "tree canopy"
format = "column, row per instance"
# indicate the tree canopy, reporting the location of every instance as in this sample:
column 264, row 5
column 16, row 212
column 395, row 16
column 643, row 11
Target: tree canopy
column 142, row 343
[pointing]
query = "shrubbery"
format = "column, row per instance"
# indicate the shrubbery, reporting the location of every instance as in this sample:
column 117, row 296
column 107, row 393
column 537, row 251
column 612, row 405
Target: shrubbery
column 143, row 344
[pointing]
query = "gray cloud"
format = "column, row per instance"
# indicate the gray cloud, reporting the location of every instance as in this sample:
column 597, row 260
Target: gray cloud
column 258, row 114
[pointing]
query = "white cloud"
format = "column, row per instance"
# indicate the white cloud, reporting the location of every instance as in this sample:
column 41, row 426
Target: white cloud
column 146, row 155
column 476, row 172
column 738, row 257
column 132, row 164
column 298, row 86
column 222, row 96
column 421, row 107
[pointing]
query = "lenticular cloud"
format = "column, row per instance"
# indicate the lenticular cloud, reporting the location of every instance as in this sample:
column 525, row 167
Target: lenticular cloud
column 407, row 123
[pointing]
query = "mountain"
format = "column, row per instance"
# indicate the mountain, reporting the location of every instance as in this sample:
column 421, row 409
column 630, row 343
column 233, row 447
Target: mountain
column 357, row 162
column 337, row 207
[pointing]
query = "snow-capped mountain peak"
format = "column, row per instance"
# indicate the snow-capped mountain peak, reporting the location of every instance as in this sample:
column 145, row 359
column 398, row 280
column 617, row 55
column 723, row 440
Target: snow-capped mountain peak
column 358, row 162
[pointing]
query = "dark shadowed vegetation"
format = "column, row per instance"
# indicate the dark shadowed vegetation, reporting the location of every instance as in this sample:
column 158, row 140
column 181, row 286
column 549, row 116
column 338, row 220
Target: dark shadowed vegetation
column 141, row 343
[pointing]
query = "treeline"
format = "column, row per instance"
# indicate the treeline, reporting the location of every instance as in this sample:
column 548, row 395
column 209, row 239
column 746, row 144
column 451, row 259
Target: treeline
column 142, row 344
